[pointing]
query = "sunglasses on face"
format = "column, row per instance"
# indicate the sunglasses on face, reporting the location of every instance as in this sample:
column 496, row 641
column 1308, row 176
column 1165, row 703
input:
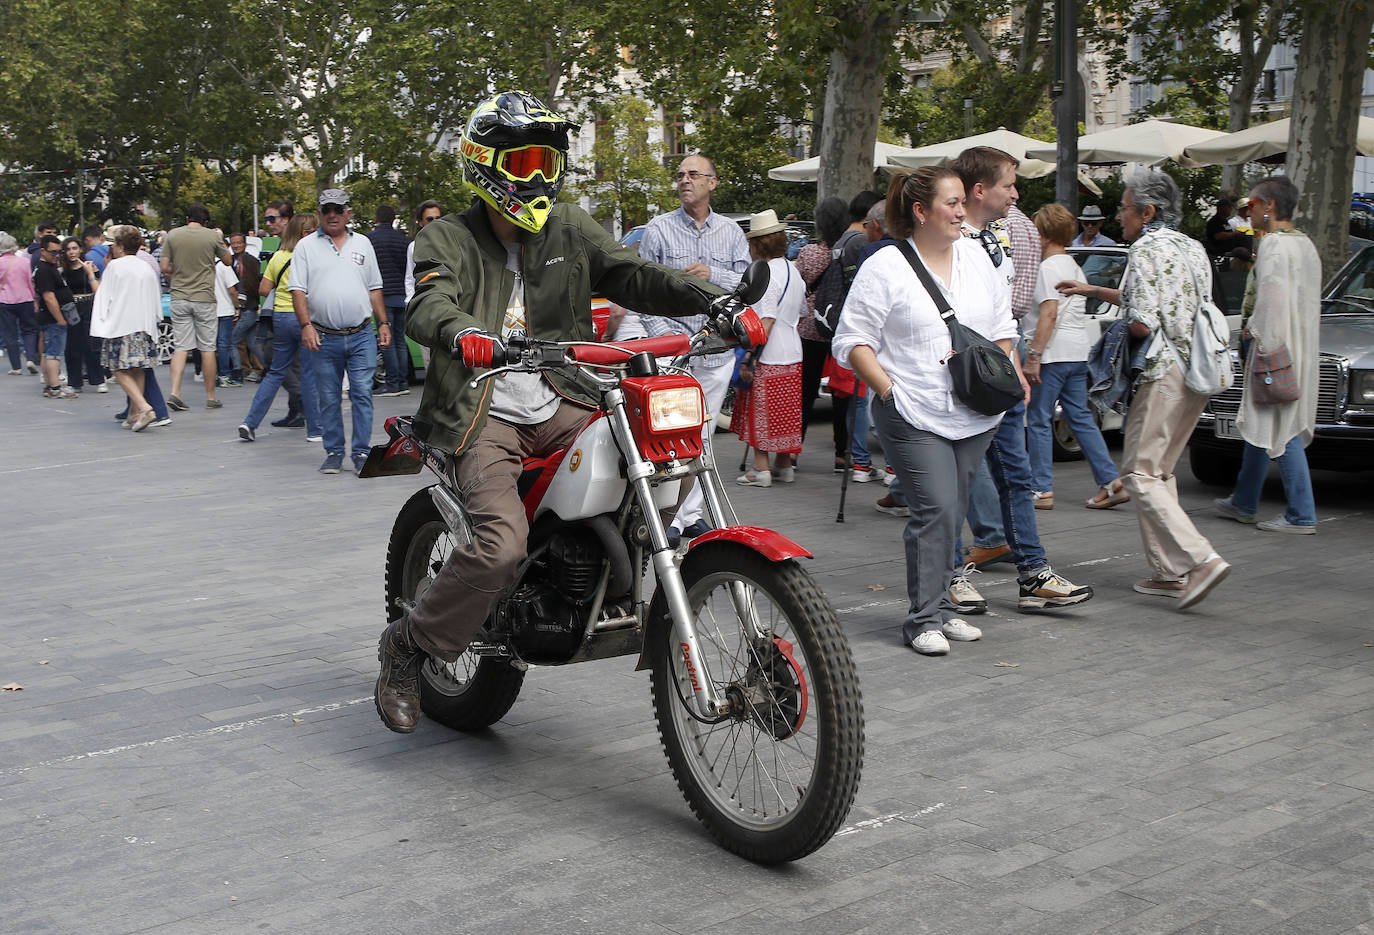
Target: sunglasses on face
column 693, row 174
column 333, row 209
column 272, row 218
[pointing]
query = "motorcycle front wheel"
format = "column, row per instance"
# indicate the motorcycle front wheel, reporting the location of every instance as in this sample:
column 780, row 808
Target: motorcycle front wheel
column 772, row 779
column 473, row 692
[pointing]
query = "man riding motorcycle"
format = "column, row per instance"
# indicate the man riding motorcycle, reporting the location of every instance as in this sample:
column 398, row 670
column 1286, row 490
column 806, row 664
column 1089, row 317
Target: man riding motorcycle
column 513, row 262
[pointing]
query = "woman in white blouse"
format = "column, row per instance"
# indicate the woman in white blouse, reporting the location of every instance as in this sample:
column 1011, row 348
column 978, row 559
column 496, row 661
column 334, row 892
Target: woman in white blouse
column 892, row 335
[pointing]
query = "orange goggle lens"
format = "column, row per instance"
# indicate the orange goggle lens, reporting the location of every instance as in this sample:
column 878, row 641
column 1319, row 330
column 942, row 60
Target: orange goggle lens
column 523, row 164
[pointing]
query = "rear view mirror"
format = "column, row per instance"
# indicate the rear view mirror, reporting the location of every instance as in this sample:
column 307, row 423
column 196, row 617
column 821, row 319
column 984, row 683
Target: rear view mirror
column 754, row 283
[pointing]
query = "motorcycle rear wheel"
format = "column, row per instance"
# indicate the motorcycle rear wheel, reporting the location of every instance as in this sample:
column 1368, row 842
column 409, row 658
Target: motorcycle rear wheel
column 475, row 691
column 774, row 780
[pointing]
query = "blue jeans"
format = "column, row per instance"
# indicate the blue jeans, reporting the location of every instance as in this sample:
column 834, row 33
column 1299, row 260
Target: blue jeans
column 984, row 515
column 286, row 347
column 226, row 354
column 1065, row 382
column 152, row 394
column 397, row 356
column 244, row 330
column 19, row 330
column 356, row 354
column 1297, row 482
column 937, row 474
column 54, row 341
column 1009, row 464
column 858, row 439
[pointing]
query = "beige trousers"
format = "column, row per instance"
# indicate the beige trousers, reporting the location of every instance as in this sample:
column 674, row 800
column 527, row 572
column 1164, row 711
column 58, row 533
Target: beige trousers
column 458, row 601
column 1162, row 416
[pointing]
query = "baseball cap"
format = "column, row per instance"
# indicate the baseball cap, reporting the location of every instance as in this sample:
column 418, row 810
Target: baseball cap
column 334, row 196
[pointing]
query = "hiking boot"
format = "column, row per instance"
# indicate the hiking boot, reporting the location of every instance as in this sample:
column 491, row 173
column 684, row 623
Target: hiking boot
column 1047, row 590
column 397, row 695
column 963, row 594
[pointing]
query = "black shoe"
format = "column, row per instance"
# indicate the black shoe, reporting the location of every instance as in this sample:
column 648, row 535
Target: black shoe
column 397, row 695
column 292, row 420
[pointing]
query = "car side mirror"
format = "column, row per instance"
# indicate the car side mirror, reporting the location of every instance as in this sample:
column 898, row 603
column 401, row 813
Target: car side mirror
column 754, row 283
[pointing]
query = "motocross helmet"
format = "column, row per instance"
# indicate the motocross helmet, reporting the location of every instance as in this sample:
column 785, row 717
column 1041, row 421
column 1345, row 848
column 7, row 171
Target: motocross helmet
column 515, row 153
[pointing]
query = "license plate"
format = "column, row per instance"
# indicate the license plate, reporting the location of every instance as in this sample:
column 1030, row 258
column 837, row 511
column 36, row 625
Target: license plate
column 1225, row 427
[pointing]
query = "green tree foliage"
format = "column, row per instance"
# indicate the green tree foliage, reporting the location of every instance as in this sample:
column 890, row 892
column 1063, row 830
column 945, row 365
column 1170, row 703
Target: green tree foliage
column 628, row 177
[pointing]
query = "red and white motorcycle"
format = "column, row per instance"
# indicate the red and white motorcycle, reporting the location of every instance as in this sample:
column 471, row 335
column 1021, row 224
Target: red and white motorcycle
column 754, row 687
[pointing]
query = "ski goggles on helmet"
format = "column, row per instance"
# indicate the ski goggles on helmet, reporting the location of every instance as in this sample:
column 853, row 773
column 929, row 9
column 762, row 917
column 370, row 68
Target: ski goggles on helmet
column 523, row 164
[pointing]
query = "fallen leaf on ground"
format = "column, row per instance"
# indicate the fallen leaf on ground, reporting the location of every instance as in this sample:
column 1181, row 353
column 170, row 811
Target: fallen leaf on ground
column 42, row 662
column 1008, row 665
column 877, row 587
column 12, row 687
column 297, row 720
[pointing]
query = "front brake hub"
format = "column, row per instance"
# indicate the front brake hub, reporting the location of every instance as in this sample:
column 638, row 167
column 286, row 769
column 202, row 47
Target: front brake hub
column 774, row 691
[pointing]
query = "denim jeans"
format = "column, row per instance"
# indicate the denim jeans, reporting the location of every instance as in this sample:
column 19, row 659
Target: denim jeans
column 397, row 356
column 1065, row 382
column 1009, row 464
column 244, row 330
column 286, row 348
column 984, row 514
column 54, row 341
column 937, row 475
column 356, row 354
column 858, row 440
column 226, row 354
column 19, row 330
column 1297, row 482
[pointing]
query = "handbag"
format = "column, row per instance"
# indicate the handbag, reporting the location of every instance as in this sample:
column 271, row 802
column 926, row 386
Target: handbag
column 71, row 314
column 980, row 372
column 1272, row 377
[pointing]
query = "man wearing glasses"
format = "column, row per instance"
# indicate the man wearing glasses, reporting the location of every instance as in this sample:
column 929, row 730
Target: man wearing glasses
column 336, row 291
column 54, row 300
column 709, row 246
column 1091, row 220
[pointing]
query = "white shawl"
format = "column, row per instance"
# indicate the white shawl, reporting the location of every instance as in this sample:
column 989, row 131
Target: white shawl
column 1288, row 280
column 129, row 300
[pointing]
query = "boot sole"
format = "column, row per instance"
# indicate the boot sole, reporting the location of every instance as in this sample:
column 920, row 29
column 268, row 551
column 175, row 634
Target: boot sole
column 1050, row 603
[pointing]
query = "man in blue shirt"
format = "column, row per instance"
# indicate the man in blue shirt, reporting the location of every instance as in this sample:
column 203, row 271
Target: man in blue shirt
column 97, row 250
column 391, row 245
column 336, row 292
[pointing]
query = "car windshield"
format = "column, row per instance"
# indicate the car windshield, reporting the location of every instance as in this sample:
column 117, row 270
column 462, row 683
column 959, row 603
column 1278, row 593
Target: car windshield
column 1353, row 290
column 1101, row 269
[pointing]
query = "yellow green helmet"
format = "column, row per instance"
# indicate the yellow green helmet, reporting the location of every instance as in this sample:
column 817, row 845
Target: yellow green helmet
column 515, row 153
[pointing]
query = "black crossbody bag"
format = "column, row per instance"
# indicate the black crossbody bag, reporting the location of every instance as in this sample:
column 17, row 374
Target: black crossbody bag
column 980, row 372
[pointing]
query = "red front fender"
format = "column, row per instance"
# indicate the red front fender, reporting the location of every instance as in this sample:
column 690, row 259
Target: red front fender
column 769, row 543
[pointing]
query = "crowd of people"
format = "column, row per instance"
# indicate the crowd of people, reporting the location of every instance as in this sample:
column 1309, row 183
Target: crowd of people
column 862, row 309
column 76, row 313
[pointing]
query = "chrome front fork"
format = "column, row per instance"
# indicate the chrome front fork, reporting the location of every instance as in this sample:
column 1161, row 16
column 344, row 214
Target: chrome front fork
column 721, row 512
column 707, row 697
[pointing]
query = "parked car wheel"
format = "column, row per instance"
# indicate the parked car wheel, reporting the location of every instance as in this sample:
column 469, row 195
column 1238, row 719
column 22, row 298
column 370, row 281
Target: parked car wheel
column 164, row 341
column 1064, row 444
column 1212, row 467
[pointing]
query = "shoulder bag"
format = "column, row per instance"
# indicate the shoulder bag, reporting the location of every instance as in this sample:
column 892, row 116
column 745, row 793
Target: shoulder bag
column 980, row 372
column 1272, row 378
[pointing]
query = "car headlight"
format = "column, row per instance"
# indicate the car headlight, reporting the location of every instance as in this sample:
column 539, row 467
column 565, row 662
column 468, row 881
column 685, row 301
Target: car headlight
column 674, row 409
column 1362, row 388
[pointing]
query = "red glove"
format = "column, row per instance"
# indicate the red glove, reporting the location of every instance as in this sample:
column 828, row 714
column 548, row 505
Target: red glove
column 476, row 348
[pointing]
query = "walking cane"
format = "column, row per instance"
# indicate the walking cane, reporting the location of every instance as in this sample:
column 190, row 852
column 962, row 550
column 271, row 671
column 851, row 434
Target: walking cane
column 848, row 453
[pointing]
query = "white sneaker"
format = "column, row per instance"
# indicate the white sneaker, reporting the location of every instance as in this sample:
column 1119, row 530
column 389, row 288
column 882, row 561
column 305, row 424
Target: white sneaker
column 960, row 630
column 1280, row 524
column 199, row 378
column 755, row 479
column 964, row 595
column 862, row 475
column 786, row 475
column 930, row 643
column 102, row 388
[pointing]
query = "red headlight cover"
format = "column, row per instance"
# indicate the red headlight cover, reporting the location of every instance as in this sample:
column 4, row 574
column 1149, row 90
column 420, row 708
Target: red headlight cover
column 658, row 447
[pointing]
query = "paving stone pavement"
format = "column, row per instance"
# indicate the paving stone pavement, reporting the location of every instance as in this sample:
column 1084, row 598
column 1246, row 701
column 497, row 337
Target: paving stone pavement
column 193, row 620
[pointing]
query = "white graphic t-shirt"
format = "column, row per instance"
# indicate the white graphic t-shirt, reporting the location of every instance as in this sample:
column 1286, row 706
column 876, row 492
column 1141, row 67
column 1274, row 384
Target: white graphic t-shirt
column 523, row 398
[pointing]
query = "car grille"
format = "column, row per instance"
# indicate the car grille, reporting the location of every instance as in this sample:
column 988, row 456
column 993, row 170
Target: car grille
column 1227, row 402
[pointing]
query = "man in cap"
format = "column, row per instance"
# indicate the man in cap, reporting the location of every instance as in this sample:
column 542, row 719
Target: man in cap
column 1092, row 220
column 336, row 292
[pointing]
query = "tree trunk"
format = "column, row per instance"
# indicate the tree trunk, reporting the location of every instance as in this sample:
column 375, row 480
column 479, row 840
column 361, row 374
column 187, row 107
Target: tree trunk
column 1326, row 108
column 853, row 101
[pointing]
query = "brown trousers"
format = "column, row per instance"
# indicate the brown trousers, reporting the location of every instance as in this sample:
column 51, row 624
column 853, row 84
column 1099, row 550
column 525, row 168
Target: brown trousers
column 461, row 597
column 1161, row 419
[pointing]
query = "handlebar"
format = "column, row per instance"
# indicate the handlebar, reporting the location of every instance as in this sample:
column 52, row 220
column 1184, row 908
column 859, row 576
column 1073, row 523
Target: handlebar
column 609, row 354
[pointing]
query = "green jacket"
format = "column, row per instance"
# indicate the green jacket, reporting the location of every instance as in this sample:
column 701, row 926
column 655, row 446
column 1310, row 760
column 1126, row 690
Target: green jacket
column 461, row 282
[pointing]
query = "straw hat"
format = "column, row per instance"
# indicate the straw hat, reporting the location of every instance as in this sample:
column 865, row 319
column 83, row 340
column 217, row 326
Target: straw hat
column 765, row 222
